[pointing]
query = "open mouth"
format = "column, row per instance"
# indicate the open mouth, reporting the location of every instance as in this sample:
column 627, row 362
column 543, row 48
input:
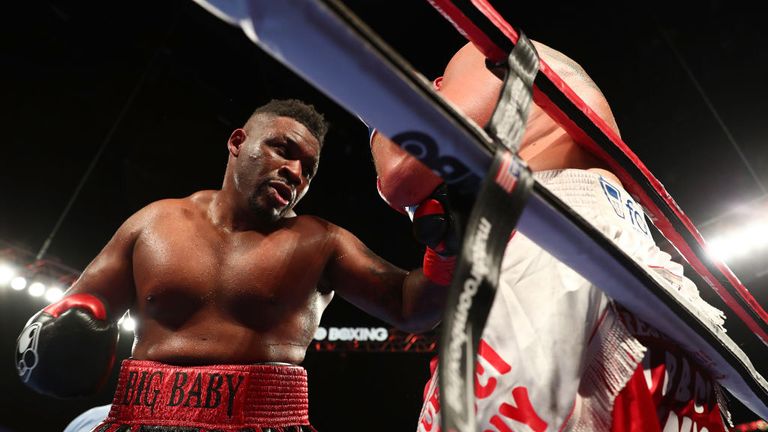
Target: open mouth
column 283, row 192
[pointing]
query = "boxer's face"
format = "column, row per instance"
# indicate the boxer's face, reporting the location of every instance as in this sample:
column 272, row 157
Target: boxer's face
column 275, row 164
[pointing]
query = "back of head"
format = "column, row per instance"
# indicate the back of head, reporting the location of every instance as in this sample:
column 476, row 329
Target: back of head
column 580, row 82
column 470, row 86
column 300, row 111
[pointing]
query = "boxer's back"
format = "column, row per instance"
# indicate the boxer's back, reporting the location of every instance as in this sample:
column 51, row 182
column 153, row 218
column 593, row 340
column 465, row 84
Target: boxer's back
column 227, row 296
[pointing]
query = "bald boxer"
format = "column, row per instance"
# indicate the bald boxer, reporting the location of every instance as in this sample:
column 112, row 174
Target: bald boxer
column 556, row 353
column 228, row 290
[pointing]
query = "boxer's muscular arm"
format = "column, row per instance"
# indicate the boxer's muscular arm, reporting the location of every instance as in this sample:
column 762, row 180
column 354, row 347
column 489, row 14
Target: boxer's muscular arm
column 68, row 348
column 110, row 275
column 408, row 300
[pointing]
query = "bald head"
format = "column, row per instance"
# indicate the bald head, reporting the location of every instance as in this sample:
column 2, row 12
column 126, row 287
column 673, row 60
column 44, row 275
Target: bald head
column 578, row 80
column 472, row 87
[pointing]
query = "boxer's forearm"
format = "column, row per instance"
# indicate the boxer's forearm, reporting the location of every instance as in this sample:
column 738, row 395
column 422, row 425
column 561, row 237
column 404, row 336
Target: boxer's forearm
column 408, row 300
column 423, row 302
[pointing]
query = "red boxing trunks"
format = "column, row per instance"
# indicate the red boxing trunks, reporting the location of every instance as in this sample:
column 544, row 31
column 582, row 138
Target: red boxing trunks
column 226, row 398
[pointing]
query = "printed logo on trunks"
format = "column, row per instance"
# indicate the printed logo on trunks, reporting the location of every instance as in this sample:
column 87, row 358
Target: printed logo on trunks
column 635, row 216
column 614, row 197
column 684, row 391
column 512, row 408
column 186, row 389
column 424, row 148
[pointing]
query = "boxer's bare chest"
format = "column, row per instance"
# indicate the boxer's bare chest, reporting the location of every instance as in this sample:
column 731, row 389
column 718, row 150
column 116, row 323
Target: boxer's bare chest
column 185, row 265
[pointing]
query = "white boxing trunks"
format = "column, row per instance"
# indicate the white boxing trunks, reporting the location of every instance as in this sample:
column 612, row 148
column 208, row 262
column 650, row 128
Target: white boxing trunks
column 554, row 353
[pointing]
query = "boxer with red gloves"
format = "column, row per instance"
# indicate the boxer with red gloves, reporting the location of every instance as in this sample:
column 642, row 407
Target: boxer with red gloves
column 555, row 353
column 228, row 287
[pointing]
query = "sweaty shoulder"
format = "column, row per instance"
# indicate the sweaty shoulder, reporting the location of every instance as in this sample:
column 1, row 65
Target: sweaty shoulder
column 172, row 208
column 309, row 222
column 331, row 234
column 168, row 207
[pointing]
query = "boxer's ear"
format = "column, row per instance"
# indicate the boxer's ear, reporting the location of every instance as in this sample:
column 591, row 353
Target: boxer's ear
column 236, row 141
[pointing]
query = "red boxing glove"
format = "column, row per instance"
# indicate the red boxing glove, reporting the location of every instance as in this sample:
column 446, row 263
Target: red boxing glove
column 86, row 302
column 433, row 224
column 433, row 227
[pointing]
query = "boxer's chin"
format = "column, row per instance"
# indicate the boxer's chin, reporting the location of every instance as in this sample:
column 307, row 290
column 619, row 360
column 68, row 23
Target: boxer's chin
column 264, row 210
column 281, row 213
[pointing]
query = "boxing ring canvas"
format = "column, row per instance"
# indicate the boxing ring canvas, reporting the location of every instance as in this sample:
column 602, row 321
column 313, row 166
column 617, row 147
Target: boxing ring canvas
column 318, row 40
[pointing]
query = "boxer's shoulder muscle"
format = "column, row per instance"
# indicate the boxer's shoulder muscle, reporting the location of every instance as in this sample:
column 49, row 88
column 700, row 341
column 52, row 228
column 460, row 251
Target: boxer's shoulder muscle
column 177, row 219
column 111, row 273
column 159, row 212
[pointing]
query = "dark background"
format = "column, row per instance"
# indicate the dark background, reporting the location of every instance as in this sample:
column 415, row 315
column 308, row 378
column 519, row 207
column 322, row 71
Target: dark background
column 151, row 91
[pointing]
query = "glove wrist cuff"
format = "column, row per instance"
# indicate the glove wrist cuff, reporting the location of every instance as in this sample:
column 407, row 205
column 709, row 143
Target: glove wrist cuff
column 438, row 268
column 87, row 302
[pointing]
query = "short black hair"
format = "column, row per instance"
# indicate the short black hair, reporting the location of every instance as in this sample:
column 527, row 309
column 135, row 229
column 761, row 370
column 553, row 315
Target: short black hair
column 300, row 111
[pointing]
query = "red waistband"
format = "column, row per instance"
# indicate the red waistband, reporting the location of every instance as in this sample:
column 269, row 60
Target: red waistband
column 233, row 396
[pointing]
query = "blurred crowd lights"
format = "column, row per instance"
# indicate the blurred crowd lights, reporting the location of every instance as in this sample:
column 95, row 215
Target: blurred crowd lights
column 15, row 278
column 740, row 242
column 757, row 425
